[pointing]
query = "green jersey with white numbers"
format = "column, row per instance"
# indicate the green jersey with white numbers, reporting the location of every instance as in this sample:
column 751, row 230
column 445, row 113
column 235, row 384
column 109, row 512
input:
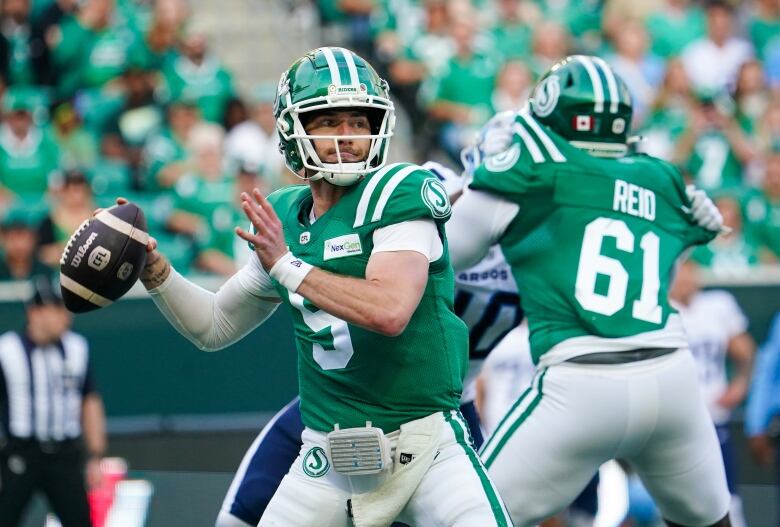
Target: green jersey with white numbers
column 593, row 245
column 347, row 374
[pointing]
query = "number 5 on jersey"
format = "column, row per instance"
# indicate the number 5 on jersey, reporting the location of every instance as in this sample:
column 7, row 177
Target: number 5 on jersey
column 592, row 263
column 318, row 321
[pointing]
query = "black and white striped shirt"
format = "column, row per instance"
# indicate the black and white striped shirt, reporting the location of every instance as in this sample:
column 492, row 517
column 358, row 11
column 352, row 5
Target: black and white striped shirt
column 42, row 387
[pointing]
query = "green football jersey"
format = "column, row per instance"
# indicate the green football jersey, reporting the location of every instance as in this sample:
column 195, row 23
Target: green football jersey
column 347, row 374
column 593, row 245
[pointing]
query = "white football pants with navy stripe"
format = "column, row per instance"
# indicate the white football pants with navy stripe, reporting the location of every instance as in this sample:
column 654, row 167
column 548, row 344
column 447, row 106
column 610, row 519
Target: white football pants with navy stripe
column 455, row 491
column 574, row 417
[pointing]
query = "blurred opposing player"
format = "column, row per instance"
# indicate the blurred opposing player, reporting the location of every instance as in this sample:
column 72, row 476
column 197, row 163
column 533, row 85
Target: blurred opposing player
column 717, row 333
column 592, row 233
column 359, row 257
column 485, row 298
column 504, row 376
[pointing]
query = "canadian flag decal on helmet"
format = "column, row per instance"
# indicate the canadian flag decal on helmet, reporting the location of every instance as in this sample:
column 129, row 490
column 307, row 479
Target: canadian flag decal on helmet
column 583, row 123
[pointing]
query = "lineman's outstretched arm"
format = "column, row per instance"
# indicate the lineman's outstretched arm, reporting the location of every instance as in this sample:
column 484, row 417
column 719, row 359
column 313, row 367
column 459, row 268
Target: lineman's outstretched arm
column 211, row 321
column 478, row 221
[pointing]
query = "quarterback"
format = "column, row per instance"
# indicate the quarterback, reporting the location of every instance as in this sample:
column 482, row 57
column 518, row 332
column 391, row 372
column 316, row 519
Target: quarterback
column 592, row 232
column 359, row 256
column 485, row 299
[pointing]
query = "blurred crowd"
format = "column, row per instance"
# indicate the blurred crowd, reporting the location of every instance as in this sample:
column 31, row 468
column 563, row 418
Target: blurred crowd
column 101, row 98
column 107, row 98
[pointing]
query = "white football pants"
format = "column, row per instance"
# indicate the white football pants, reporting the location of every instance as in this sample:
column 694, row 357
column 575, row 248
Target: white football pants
column 454, row 492
column 574, row 417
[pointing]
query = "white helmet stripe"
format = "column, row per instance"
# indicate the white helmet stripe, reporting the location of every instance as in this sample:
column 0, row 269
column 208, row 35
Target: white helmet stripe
column 614, row 96
column 333, row 66
column 595, row 80
column 353, row 74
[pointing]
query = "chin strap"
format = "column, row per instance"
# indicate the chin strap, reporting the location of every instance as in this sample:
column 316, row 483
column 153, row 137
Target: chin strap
column 331, row 173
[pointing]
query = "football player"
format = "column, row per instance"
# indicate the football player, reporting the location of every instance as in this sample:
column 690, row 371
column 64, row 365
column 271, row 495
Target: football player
column 485, row 298
column 358, row 254
column 717, row 333
column 592, row 232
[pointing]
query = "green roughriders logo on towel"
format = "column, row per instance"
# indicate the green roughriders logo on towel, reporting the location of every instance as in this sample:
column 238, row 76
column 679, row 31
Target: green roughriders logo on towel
column 315, row 463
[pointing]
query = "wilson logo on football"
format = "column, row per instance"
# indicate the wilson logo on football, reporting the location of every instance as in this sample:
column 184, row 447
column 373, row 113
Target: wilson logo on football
column 81, row 251
column 546, row 96
column 99, row 258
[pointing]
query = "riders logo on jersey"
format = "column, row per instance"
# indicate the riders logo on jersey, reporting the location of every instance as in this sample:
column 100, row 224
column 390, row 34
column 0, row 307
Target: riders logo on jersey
column 347, row 245
column 315, row 463
column 583, row 123
column 546, row 96
column 434, row 196
column 505, row 160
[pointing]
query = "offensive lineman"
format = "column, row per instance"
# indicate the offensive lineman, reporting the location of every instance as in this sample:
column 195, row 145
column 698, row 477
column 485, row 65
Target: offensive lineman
column 359, row 255
column 592, row 233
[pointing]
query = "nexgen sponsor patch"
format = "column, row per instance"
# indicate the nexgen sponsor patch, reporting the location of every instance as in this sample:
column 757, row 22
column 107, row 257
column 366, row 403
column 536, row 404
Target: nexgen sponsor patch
column 347, row 245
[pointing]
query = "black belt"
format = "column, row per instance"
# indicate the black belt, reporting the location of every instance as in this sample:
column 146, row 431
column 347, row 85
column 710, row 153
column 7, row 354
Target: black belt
column 45, row 446
column 622, row 357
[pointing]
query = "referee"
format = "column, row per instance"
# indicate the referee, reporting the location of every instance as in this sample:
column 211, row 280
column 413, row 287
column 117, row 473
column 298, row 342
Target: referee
column 49, row 411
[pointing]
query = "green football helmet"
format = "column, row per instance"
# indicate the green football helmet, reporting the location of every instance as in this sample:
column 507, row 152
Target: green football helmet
column 332, row 78
column 582, row 99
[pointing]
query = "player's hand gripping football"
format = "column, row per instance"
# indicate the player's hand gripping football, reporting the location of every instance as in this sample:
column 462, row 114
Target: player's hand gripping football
column 151, row 247
column 268, row 236
column 156, row 268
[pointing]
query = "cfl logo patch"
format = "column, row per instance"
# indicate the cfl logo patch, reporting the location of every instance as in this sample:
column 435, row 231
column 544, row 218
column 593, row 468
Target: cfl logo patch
column 99, row 258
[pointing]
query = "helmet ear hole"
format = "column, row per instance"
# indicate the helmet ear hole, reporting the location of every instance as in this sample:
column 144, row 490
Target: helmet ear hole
column 283, row 125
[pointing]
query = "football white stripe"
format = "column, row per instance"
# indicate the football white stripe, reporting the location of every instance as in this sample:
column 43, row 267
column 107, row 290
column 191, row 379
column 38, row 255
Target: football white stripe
column 118, row 224
column 595, row 80
column 384, row 197
column 333, row 66
column 548, row 143
column 85, row 293
column 530, row 144
column 353, row 74
column 614, row 97
column 365, row 198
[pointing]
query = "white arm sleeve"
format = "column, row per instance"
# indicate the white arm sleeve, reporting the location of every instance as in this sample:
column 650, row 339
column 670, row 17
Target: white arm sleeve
column 419, row 235
column 478, row 220
column 213, row 321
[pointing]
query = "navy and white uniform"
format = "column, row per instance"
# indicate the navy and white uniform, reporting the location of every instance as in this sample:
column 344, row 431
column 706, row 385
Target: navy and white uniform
column 711, row 320
column 485, row 298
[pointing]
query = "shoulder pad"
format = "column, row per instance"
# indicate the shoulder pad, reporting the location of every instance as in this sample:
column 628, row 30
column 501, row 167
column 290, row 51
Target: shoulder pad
column 401, row 192
column 280, row 199
column 514, row 170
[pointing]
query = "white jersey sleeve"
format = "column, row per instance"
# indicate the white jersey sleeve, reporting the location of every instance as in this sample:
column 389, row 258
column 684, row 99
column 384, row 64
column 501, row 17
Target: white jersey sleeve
column 711, row 320
column 213, row 321
column 419, row 235
column 478, row 220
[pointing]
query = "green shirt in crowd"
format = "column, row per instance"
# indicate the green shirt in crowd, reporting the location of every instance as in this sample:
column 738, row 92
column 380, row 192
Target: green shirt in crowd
column 670, row 35
column 468, row 81
column 209, row 84
column 25, row 166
